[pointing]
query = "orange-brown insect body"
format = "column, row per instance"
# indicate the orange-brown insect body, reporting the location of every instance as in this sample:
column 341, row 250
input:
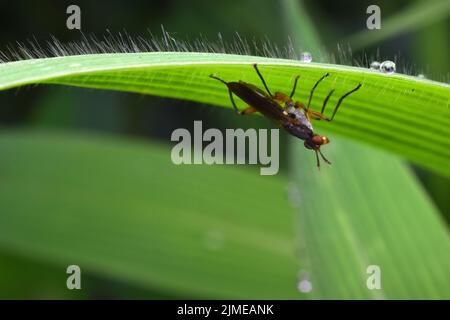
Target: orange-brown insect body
column 294, row 117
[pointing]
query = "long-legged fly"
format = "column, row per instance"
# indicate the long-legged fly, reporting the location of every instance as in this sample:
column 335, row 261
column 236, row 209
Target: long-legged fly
column 292, row 115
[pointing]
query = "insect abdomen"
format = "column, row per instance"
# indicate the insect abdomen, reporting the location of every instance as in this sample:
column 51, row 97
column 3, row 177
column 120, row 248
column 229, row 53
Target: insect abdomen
column 258, row 99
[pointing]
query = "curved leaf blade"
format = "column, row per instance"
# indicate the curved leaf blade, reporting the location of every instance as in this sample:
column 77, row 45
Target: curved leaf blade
column 403, row 114
column 370, row 212
column 122, row 209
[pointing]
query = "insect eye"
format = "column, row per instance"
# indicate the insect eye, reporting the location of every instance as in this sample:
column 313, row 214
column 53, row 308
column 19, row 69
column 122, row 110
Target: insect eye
column 292, row 115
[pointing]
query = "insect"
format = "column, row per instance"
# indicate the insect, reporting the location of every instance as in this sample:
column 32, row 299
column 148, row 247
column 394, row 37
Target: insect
column 292, row 115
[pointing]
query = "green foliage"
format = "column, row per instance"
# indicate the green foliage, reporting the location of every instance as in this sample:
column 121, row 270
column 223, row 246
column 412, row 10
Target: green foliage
column 121, row 209
column 371, row 211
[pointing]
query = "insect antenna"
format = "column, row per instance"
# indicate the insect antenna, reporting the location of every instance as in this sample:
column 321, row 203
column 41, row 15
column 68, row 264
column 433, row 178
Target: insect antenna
column 317, row 160
column 323, row 157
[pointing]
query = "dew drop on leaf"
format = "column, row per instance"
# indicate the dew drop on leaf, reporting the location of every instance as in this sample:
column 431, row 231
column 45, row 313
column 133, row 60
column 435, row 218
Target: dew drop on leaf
column 375, row 65
column 306, row 56
column 304, row 286
column 387, row 67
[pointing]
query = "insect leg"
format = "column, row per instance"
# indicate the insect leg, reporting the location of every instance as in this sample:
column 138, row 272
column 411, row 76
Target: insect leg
column 233, row 103
column 314, row 88
column 320, row 115
column 299, row 105
column 342, row 98
column 325, row 101
column 317, row 115
column 248, row 110
column 217, row 78
column 280, row 96
column 262, row 79
column 295, row 86
column 229, row 92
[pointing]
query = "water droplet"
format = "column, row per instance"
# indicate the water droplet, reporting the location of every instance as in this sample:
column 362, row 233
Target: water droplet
column 214, row 239
column 375, row 65
column 421, row 76
column 304, row 286
column 387, row 67
column 306, row 56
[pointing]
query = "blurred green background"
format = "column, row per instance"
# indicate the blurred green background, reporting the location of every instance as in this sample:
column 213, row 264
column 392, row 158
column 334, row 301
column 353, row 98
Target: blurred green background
column 113, row 203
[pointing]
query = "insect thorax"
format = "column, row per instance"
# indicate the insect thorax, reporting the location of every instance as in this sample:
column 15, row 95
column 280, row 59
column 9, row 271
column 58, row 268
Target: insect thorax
column 299, row 115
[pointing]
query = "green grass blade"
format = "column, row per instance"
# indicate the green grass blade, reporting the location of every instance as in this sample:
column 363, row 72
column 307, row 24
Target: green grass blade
column 369, row 211
column 122, row 209
column 399, row 113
